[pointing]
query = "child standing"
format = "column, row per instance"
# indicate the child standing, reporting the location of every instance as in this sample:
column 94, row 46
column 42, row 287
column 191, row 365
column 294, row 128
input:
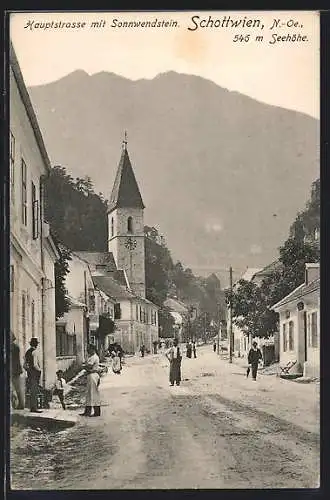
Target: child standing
column 59, row 387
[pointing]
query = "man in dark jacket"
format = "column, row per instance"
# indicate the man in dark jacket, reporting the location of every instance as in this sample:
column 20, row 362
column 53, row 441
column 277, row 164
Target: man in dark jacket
column 253, row 359
column 16, row 372
column 33, row 369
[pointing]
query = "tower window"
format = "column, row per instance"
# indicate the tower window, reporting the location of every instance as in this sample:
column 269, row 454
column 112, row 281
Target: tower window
column 112, row 227
column 130, row 225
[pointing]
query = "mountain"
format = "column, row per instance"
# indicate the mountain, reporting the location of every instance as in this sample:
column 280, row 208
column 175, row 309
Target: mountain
column 222, row 175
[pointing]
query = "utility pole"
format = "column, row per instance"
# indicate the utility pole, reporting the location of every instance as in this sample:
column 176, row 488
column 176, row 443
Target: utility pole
column 231, row 333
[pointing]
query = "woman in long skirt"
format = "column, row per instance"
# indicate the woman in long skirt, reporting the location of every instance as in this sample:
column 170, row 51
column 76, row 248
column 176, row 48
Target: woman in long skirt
column 116, row 362
column 92, row 368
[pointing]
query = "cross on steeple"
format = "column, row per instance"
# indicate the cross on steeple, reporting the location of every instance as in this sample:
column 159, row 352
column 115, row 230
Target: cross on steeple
column 125, row 141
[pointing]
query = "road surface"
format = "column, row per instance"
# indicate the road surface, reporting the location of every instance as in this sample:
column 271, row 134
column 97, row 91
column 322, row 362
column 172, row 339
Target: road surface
column 217, row 430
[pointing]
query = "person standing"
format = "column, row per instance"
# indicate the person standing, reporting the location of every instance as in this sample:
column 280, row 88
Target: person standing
column 59, row 387
column 16, row 372
column 116, row 362
column 189, row 349
column 214, row 346
column 33, row 370
column 174, row 357
column 254, row 357
column 194, row 349
column 92, row 367
column 142, row 350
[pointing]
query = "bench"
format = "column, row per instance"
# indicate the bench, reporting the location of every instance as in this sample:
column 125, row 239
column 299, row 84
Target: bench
column 286, row 369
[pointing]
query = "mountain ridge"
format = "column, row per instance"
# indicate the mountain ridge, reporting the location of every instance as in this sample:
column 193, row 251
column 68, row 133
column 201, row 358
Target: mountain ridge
column 206, row 158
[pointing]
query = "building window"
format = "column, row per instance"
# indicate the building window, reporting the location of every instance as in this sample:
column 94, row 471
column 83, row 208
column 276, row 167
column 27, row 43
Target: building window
column 33, row 328
column 24, row 192
column 137, row 312
column 112, row 227
column 66, row 343
column 313, row 330
column 130, row 225
column 284, row 337
column 12, row 150
column 291, row 336
column 91, row 301
column 117, row 311
column 35, row 212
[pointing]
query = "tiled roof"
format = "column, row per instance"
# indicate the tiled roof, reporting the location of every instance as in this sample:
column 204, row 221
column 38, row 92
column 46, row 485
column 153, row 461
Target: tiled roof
column 75, row 302
column 120, row 277
column 125, row 192
column 113, row 289
column 116, row 291
column 176, row 306
column 269, row 269
column 249, row 273
column 298, row 293
column 99, row 259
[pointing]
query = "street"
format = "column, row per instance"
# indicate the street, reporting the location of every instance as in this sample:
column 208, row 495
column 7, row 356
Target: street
column 217, row 430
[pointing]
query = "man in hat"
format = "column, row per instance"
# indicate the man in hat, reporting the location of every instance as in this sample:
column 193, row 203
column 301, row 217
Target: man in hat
column 254, row 357
column 16, row 371
column 174, row 357
column 33, row 369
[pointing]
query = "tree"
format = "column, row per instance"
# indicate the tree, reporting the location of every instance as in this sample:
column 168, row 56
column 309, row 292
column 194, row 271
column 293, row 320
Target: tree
column 62, row 302
column 166, row 322
column 251, row 303
column 294, row 254
column 250, row 310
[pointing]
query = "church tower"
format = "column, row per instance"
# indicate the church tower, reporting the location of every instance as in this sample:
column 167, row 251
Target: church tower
column 126, row 225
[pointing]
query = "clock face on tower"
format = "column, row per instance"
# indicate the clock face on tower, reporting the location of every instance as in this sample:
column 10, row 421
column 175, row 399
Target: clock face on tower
column 130, row 243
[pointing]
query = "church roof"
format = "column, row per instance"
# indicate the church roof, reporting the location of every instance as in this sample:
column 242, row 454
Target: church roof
column 113, row 289
column 104, row 259
column 125, row 192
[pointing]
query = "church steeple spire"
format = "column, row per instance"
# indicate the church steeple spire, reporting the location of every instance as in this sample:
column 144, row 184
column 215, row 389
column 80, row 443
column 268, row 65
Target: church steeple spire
column 125, row 192
column 125, row 141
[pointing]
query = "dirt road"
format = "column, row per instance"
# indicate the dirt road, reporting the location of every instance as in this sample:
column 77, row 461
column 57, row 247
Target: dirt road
column 151, row 435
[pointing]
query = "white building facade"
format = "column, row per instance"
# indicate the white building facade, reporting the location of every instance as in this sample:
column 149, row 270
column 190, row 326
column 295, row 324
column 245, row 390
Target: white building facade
column 299, row 317
column 32, row 250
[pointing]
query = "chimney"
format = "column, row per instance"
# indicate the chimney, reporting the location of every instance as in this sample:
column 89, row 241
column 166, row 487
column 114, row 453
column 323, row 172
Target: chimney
column 312, row 272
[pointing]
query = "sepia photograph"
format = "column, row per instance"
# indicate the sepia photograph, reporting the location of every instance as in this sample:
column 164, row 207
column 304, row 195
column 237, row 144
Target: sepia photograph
column 164, row 181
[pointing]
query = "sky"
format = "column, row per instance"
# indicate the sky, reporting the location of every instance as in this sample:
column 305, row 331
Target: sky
column 283, row 74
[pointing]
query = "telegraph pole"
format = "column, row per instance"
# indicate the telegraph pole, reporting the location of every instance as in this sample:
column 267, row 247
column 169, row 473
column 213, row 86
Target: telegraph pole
column 231, row 335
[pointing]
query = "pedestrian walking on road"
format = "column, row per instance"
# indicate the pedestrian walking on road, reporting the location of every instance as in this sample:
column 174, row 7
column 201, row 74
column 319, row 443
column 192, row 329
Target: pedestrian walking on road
column 33, row 370
column 189, row 349
column 116, row 362
column 254, row 357
column 214, row 346
column 59, row 387
column 16, row 373
column 175, row 358
column 142, row 350
column 92, row 367
column 194, row 349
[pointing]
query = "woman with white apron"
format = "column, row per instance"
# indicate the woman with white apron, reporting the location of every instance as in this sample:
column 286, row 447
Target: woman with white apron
column 92, row 367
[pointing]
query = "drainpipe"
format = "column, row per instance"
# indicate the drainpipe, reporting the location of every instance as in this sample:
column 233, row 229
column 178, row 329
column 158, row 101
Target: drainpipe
column 131, row 324
column 43, row 279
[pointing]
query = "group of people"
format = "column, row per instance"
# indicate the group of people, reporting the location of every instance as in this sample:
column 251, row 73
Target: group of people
column 32, row 366
column 191, row 349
